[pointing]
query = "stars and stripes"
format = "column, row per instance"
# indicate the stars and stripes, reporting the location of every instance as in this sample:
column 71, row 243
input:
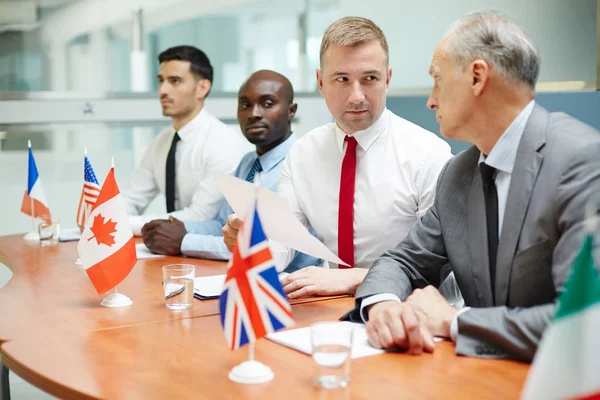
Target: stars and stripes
column 89, row 193
column 252, row 303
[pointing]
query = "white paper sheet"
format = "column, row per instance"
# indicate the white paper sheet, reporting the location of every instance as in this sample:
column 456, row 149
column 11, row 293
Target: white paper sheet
column 277, row 220
column 144, row 253
column 209, row 286
column 212, row 286
column 299, row 339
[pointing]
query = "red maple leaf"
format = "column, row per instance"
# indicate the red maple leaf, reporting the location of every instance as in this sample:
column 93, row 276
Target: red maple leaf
column 103, row 231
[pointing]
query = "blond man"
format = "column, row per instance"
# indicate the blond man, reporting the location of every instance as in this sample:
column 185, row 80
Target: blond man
column 363, row 181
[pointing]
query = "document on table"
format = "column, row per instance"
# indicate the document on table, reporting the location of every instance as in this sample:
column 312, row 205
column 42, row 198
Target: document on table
column 277, row 220
column 144, row 253
column 299, row 339
column 210, row 287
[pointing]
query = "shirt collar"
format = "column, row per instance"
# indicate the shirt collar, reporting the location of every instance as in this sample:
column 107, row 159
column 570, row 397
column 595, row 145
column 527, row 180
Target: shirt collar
column 366, row 137
column 194, row 125
column 503, row 154
column 274, row 156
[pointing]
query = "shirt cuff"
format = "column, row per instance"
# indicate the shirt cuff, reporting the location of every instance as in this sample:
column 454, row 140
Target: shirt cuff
column 377, row 298
column 454, row 324
column 137, row 222
column 188, row 244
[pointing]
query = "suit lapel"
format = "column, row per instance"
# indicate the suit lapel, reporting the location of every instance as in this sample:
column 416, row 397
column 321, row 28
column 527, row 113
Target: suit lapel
column 525, row 171
column 478, row 240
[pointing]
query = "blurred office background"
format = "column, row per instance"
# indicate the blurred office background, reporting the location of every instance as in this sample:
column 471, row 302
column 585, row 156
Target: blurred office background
column 76, row 73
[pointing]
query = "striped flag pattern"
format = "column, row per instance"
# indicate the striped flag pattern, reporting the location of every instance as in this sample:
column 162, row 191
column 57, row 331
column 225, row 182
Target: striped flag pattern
column 89, row 193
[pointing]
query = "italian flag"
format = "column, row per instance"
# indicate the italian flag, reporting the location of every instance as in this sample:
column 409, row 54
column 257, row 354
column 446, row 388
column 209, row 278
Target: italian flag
column 107, row 246
column 567, row 362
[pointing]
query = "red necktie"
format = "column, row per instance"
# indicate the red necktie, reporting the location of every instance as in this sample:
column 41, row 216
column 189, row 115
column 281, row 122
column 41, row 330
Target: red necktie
column 346, row 209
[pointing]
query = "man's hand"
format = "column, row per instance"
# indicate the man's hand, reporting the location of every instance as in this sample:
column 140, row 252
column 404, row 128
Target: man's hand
column 164, row 236
column 433, row 309
column 393, row 324
column 230, row 231
column 317, row 281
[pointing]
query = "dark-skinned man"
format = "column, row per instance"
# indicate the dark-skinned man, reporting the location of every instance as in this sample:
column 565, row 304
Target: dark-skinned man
column 265, row 110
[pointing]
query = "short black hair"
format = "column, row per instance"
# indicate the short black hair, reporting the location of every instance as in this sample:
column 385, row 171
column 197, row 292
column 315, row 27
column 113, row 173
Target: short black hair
column 200, row 64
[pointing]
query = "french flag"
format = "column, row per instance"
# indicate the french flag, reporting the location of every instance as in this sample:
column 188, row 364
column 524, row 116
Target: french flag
column 34, row 200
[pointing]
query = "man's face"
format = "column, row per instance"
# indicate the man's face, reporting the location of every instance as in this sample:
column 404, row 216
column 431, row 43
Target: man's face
column 452, row 96
column 354, row 82
column 179, row 90
column 264, row 111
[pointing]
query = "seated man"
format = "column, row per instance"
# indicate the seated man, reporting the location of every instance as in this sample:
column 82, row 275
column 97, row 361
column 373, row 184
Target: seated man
column 508, row 212
column 363, row 181
column 182, row 159
column 265, row 110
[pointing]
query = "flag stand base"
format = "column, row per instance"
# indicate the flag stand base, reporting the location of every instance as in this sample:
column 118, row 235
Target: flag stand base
column 251, row 372
column 32, row 236
column 116, row 300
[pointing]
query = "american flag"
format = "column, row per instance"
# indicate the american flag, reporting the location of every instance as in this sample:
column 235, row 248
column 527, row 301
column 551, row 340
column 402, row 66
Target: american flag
column 89, row 193
column 252, row 303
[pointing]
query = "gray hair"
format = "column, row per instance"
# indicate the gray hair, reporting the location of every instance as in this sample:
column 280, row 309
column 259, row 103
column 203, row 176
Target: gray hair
column 497, row 39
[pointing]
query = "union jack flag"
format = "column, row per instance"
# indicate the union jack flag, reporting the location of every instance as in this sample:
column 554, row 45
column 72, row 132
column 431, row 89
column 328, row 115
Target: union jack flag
column 89, row 193
column 252, row 303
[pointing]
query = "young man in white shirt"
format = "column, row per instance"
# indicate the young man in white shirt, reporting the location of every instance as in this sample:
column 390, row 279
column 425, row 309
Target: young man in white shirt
column 181, row 160
column 369, row 176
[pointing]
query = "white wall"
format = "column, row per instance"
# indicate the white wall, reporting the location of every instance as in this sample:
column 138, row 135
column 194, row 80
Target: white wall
column 564, row 31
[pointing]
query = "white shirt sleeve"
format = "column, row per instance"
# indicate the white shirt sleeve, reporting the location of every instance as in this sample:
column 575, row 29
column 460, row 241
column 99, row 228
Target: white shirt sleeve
column 454, row 324
column 283, row 254
column 142, row 187
column 428, row 173
column 377, row 298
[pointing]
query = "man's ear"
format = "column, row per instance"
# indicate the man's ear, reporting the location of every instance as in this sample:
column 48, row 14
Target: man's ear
column 388, row 78
column 202, row 88
column 292, row 111
column 480, row 74
column 320, row 80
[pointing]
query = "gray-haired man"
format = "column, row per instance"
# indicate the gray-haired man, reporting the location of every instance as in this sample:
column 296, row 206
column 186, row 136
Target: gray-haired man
column 507, row 214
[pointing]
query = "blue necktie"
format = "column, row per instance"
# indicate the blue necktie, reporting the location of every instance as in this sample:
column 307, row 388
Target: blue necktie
column 256, row 167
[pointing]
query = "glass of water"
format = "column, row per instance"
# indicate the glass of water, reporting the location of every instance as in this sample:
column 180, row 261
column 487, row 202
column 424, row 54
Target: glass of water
column 332, row 347
column 178, row 283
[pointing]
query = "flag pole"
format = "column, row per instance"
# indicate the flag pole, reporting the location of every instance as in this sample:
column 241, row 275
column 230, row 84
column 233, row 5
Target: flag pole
column 251, row 352
column 30, row 198
column 114, row 298
column 256, row 186
column 252, row 371
column 34, row 234
column 32, row 214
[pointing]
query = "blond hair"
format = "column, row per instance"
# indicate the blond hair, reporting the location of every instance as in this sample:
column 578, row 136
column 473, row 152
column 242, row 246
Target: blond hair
column 352, row 32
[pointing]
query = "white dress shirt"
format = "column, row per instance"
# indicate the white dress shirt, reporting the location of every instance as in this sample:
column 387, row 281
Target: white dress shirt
column 398, row 164
column 502, row 157
column 207, row 145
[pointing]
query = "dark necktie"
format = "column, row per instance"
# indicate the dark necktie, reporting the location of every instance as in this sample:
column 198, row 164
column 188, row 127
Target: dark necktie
column 491, row 210
column 346, row 205
column 256, row 167
column 170, row 175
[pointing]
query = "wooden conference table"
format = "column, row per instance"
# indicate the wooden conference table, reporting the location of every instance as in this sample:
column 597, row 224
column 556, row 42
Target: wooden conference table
column 55, row 334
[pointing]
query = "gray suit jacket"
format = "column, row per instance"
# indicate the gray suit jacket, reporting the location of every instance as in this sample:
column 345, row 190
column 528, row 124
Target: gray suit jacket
column 556, row 169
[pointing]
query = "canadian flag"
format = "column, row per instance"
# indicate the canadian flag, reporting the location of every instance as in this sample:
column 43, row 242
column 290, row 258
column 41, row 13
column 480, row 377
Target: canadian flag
column 107, row 246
